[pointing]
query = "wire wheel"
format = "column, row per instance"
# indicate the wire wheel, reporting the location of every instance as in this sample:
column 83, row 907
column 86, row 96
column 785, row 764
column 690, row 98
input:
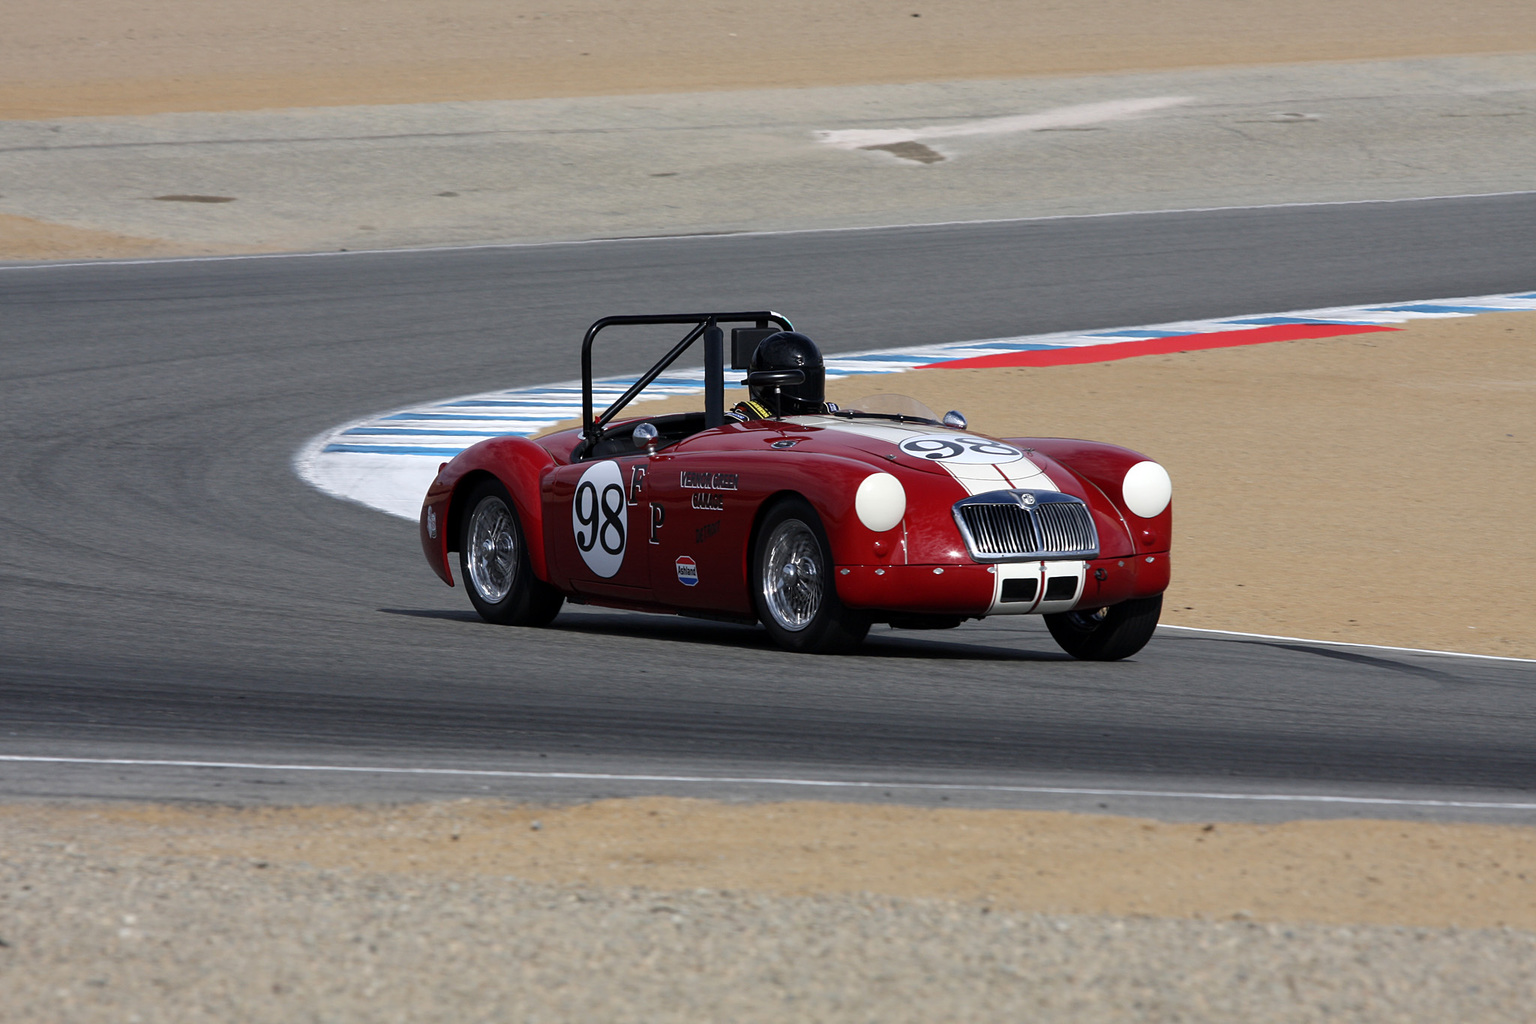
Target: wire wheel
column 491, row 549
column 793, row 577
column 793, row 589
column 493, row 554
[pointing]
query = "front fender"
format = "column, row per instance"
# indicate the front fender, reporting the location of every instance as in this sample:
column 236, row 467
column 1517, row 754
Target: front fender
column 519, row 464
column 1103, row 467
column 926, row 523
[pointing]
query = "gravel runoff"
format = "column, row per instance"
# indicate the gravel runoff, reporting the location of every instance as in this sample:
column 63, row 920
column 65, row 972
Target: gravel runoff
column 154, row 938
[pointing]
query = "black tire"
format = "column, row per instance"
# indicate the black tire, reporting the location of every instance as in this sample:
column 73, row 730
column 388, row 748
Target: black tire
column 493, row 562
column 793, row 590
column 1107, row 634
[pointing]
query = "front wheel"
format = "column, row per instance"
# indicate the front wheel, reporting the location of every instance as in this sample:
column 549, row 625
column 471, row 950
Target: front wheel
column 792, row 586
column 493, row 562
column 1107, row 634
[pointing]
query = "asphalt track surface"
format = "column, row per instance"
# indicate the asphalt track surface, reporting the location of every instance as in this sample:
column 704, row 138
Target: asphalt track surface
column 172, row 591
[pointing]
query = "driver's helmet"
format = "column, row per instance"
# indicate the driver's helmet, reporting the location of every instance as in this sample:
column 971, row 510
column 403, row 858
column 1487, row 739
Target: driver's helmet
column 790, row 350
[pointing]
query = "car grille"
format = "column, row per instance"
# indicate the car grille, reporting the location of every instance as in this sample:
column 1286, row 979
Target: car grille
column 1000, row 526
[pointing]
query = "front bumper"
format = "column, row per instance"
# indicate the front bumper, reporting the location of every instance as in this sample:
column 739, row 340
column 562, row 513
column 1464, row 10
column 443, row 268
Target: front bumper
column 1014, row 588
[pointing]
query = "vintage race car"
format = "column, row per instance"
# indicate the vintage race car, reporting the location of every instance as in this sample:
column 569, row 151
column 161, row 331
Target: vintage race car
column 814, row 520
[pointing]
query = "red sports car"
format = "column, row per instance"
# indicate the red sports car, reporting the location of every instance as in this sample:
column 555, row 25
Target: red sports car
column 814, row 520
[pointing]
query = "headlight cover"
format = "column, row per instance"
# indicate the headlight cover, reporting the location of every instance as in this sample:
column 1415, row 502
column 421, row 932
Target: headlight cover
column 881, row 501
column 1146, row 489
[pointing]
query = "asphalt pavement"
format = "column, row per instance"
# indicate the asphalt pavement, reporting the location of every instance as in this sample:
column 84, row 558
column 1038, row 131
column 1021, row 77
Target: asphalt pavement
column 172, row 592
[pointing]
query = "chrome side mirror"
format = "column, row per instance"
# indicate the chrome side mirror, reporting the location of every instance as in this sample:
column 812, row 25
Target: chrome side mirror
column 645, row 437
column 954, row 419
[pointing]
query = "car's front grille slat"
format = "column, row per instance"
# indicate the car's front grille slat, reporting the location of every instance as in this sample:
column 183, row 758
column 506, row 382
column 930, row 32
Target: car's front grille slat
column 1048, row 526
column 1001, row 528
column 1063, row 527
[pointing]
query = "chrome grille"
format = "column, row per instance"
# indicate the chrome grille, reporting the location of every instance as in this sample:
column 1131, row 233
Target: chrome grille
column 1001, row 529
column 1006, row 525
column 1066, row 528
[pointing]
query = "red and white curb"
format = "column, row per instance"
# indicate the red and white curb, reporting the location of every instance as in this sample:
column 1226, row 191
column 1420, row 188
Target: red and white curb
column 387, row 461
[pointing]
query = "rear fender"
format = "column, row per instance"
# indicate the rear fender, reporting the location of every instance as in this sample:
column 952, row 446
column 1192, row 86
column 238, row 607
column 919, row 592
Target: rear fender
column 519, row 464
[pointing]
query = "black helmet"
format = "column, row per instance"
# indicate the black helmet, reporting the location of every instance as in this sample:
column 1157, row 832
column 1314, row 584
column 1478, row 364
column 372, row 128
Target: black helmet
column 790, row 350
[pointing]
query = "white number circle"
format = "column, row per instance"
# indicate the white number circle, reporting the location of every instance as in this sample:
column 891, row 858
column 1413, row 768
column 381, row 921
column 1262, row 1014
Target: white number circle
column 600, row 518
column 961, row 449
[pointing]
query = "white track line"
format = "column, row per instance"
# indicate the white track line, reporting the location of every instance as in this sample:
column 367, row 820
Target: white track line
column 754, row 234
column 1314, row 798
column 1344, row 643
column 1060, row 117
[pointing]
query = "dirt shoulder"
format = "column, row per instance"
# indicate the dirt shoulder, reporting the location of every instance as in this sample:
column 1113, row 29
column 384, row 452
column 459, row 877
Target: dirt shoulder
column 101, row 57
column 107, row 915
column 32, row 239
column 1318, row 872
column 1307, row 474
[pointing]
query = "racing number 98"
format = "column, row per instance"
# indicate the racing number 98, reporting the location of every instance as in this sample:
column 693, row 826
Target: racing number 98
column 600, row 514
column 941, row 448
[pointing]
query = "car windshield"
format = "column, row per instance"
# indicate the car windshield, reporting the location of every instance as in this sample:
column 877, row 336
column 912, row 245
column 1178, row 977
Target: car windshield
column 889, row 407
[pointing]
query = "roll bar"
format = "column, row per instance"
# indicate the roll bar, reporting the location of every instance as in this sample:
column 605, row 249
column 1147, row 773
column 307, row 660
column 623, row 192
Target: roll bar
column 705, row 325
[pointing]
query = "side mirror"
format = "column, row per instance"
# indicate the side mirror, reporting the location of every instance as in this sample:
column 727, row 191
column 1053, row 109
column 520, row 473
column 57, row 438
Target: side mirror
column 954, row 419
column 645, row 437
column 774, row 378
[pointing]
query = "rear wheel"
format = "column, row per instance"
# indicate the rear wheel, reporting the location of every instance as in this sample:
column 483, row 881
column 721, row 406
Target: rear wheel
column 1107, row 634
column 493, row 561
column 792, row 586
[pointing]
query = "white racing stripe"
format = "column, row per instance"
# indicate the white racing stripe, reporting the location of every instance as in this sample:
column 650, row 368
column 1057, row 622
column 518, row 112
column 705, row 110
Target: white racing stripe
column 748, row 780
column 977, row 470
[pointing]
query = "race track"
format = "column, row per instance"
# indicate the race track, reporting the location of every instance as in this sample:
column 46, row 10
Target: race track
column 172, row 591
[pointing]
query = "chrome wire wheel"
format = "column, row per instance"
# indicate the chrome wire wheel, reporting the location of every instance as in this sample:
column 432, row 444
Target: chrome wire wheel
column 491, row 551
column 793, row 576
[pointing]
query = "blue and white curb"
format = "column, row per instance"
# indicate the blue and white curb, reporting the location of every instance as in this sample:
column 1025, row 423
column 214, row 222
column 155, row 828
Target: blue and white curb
column 387, row 461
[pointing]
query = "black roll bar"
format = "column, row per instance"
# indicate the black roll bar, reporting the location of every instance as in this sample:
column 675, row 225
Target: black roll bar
column 705, row 325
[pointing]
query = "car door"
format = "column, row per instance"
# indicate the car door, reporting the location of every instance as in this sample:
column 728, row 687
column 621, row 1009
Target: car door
column 596, row 527
column 700, row 520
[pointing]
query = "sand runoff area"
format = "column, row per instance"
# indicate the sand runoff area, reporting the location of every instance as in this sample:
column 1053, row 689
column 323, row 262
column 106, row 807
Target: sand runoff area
column 677, row 910
column 1303, row 872
column 103, row 57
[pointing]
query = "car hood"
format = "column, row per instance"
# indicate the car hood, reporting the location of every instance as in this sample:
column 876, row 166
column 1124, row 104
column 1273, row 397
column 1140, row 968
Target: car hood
column 976, row 462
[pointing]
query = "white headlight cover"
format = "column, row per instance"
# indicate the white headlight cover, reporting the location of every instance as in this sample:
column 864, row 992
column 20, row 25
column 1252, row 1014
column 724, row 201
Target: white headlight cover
column 880, row 502
column 1146, row 489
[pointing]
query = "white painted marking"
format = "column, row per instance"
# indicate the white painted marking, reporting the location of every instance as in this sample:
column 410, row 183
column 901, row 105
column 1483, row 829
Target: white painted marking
column 1342, row 643
column 725, row 780
column 392, row 484
column 408, row 250
column 1061, row 117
